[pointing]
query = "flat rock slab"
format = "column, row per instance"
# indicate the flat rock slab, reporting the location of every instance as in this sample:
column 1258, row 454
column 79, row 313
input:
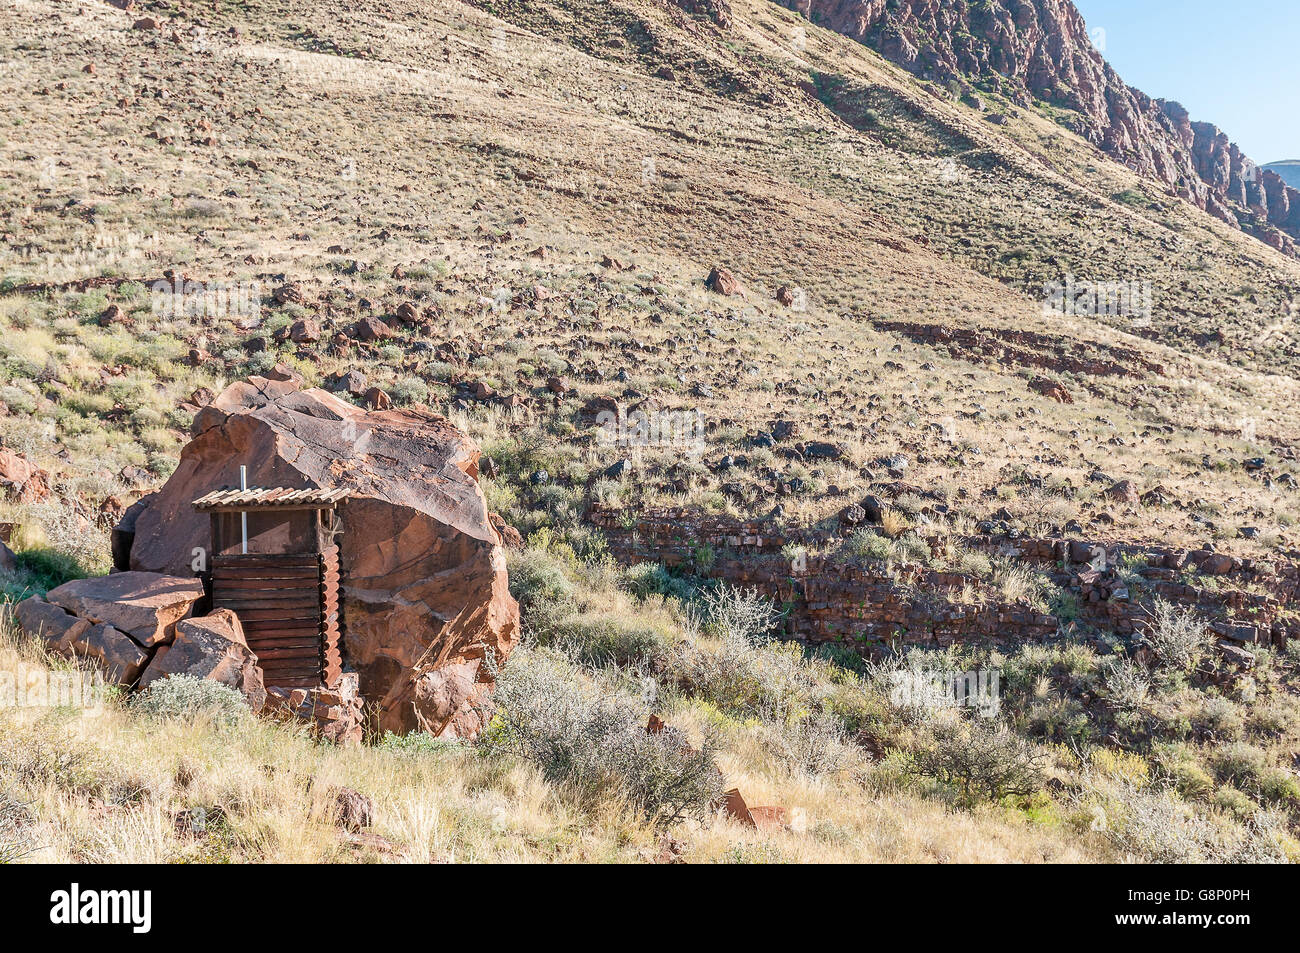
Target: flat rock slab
column 213, row 647
column 144, row 605
column 50, row 623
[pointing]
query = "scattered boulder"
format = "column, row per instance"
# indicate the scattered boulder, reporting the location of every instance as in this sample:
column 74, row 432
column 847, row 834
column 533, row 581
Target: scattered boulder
column 212, row 647
column 874, row 507
column 1050, row 388
column 22, row 480
column 347, row 382
column 370, row 328
column 337, row 714
column 1235, row 655
column 378, row 399
column 723, row 282
column 304, row 331
column 144, row 605
column 785, row 295
column 510, row 537
column 1125, row 491
column 821, row 450
column 112, row 315
column 288, row 293
column 8, row 559
column 734, row 807
column 355, row 810
column 852, row 515
column 764, row 818
column 57, row 627
column 592, row 410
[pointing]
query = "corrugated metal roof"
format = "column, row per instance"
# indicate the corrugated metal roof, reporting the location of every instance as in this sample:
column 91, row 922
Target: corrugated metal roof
column 273, row 496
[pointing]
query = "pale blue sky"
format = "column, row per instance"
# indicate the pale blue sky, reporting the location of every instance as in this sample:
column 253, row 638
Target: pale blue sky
column 1235, row 64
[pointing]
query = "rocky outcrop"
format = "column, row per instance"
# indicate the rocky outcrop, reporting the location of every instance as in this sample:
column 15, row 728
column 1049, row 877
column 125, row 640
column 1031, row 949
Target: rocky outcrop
column 337, row 714
column 423, row 579
column 1041, row 49
column 120, row 656
column 144, row 605
column 21, row 480
column 212, row 647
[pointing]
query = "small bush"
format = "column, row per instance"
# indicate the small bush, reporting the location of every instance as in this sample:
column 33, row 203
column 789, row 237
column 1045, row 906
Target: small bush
column 544, row 592
column 594, row 744
column 49, row 568
column 733, row 614
column 983, row 759
column 606, row 639
column 645, row 579
column 1127, row 685
column 815, row 746
column 184, row 696
column 867, row 544
column 417, row 743
column 1178, row 637
column 1155, row 826
column 1219, row 718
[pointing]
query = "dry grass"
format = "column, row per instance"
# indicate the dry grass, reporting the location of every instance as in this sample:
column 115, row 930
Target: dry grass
column 115, row 787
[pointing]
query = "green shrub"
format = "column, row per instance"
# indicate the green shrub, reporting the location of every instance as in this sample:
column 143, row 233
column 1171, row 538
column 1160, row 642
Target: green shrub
column 1178, row 637
column 417, row 743
column 184, row 696
column 543, row 590
column 606, row 640
column 1188, row 777
column 593, row 743
column 48, row 568
column 645, row 579
column 980, row 757
column 868, row 544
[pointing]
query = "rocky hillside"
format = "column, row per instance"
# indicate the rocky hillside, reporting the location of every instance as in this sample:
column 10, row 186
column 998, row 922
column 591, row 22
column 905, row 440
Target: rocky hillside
column 1038, row 53
column 882, row 428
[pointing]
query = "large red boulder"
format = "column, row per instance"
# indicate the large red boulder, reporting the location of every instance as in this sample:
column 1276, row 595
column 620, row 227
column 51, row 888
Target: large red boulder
column 423, row 579
column 213, row 647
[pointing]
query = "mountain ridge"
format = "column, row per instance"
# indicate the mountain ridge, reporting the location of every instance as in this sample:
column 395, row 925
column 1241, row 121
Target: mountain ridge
column 1040, row 50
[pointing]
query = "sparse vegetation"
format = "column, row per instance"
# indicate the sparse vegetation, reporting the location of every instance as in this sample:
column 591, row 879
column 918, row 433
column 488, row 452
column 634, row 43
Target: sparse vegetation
column 561, row 259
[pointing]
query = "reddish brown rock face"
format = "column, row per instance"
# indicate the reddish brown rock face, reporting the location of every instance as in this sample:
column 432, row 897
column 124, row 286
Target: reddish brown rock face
column 423, row 573
column 22, row 480
column 41, row 619
column 1043, row 48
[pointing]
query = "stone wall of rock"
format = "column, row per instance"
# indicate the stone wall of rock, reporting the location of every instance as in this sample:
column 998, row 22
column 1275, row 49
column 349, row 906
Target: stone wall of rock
column 833, row 598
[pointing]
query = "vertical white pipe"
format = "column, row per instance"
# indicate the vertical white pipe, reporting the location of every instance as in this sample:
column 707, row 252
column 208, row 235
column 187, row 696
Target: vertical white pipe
column 243, row 516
